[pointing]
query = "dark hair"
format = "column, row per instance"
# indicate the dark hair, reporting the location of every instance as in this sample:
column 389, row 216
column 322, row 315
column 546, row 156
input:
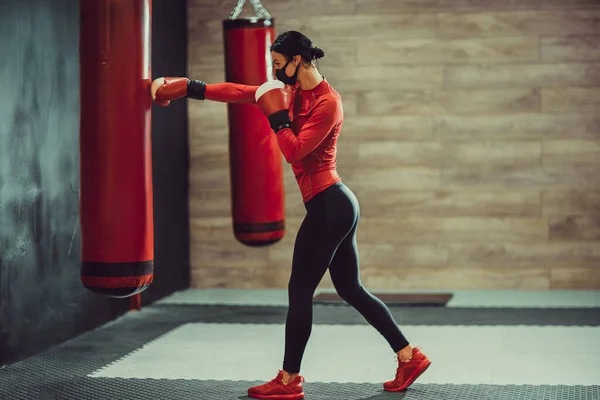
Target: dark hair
column 293, row 43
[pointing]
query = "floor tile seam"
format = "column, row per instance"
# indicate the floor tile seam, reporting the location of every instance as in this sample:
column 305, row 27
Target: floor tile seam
column 354, row 382
column 470, row 306
column 366, row 324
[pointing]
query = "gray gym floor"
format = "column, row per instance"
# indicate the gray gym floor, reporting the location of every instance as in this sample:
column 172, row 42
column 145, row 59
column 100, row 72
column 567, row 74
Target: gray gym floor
column 213, row 344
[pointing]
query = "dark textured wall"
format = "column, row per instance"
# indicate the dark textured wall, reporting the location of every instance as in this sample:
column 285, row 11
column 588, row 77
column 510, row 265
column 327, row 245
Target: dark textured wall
column 170, row 154
column 42, row 301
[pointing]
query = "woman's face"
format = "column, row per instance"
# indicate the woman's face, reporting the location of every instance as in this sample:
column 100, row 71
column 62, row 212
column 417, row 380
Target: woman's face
column 278, row 60
column 283, row 69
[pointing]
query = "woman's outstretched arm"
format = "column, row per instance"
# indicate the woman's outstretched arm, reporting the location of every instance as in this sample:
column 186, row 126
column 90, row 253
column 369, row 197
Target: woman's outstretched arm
column 228, row 92
column 163, row 90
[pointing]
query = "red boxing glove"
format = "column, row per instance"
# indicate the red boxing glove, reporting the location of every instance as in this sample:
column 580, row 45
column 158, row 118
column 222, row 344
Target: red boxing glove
column 163, row 90
column 274, row 101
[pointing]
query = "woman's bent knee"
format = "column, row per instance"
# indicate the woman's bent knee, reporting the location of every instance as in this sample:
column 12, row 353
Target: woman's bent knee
column 349, row 295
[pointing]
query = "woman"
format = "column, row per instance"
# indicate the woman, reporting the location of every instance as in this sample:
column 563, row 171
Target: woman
column 307, row 136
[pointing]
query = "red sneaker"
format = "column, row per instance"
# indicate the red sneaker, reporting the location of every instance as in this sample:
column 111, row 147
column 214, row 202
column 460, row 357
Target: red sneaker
column 408, row 371
column 277, row 390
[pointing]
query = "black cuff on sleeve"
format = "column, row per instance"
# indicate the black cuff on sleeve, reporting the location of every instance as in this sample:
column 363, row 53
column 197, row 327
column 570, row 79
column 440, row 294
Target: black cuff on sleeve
column 280, row 120
column 196, row 89
column 282, row 126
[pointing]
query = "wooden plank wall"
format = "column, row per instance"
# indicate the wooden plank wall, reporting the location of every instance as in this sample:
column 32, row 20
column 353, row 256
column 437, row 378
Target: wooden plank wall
column 472, row 140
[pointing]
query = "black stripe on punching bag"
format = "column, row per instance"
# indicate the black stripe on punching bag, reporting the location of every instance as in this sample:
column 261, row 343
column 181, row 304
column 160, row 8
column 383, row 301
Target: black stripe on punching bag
column 122, row 269
column 117, row 292
column 239, row 23
column 259, row 227
column 265, row 227
column 107, row 278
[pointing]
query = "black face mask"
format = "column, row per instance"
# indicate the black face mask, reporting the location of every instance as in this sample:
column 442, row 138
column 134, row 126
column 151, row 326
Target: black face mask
column 288, row 80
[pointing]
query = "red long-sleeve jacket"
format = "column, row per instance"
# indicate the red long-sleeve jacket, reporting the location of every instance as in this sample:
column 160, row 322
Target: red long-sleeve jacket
column 310, row 144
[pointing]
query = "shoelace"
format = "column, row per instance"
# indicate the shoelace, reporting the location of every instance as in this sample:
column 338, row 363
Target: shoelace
column 406, row 359
column 402, row 363
column 271, row 383
column 276, row 381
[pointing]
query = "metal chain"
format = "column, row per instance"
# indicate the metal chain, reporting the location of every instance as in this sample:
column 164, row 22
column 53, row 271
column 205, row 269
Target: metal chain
column 237, row 9
column 259, row 10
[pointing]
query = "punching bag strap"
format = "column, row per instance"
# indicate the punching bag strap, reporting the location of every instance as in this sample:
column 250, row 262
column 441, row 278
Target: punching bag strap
column 259, row 10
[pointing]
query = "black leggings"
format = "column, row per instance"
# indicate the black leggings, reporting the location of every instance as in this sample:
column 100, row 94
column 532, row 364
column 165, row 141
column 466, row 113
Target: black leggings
column 327, row 239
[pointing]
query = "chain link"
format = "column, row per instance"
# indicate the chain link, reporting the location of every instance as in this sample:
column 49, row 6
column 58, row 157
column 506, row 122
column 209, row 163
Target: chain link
column 259, row 10
column 237, row 9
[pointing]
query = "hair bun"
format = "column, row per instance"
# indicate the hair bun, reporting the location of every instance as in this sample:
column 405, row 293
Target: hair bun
column 317, row 52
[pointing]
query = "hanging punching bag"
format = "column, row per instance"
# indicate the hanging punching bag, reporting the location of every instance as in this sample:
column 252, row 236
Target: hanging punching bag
column 117, row 226
column 256, row 168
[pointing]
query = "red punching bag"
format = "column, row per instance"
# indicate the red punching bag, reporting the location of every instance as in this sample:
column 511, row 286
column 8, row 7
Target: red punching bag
column 117, row 226
column 256, row 168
